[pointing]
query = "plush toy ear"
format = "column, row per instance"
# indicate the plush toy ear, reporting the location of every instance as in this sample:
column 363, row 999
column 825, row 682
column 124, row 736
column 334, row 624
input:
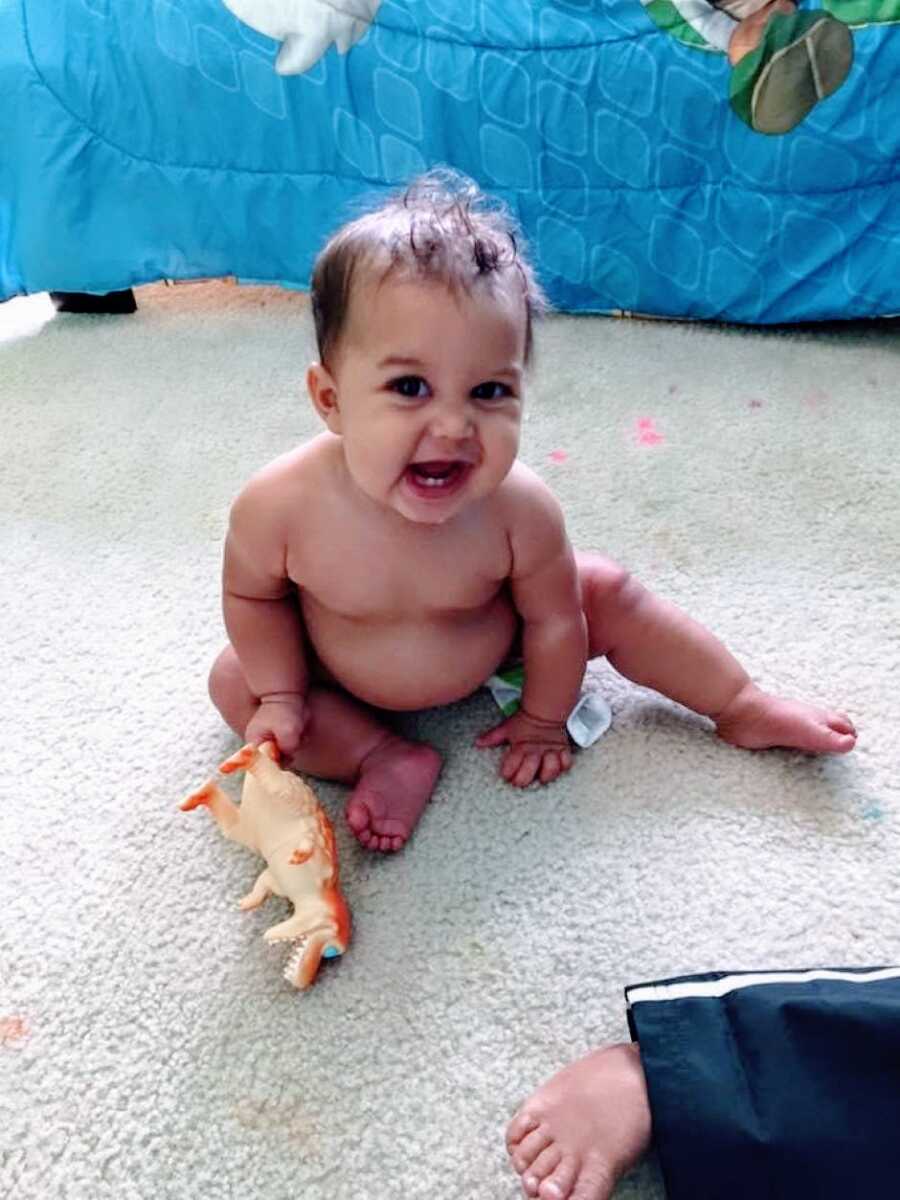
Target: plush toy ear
column 324, row 395
column 802, row 58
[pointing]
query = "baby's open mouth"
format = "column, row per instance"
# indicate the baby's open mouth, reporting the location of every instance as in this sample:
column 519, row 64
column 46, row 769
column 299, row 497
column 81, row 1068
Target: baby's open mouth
column 436, row 478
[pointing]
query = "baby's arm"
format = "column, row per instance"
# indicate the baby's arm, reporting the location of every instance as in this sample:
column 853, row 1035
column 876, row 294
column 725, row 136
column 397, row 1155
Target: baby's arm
column 546, row 593
column 263, row 621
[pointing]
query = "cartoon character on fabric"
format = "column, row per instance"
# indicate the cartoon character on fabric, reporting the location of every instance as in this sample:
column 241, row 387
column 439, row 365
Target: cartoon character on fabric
column 785, row 59
column 306, row 28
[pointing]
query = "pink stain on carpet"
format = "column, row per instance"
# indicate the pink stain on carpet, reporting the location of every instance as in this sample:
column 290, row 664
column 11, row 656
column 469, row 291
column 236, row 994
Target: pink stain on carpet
column 646, row 433
column 558, row 456
column 12, row 1030
column 815, row 399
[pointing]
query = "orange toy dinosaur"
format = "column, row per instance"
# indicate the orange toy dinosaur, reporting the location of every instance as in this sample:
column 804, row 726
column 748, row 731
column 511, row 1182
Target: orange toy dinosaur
column 280, row 818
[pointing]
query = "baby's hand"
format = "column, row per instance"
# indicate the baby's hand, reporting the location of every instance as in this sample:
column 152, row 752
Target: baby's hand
column 280, row 719
column 537, row 749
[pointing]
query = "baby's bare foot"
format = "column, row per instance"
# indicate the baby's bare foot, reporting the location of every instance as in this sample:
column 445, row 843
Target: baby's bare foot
column 756, row 720
column 395, row 783
column 583, row 1129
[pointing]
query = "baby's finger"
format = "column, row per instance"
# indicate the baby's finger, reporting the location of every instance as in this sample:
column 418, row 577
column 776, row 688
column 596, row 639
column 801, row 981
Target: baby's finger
column 287, row 745
column 512, row 760
column 290, row 737
column 527, row 770
column 492, row 737
column 256, row 735
column 551, row 767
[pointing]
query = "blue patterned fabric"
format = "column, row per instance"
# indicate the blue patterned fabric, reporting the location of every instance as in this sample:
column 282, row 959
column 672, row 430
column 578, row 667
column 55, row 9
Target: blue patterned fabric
column 147, row 139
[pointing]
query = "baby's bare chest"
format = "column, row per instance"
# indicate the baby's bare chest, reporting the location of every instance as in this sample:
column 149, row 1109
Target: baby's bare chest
column 384, row 578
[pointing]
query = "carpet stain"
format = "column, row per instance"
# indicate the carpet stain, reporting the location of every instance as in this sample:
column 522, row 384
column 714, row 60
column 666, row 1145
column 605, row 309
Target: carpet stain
column 815, row 399
column 278, row 1119
column 558, row 456
column 872, row 813
column 754, row 403
column 13, row 1030
column 647, row 434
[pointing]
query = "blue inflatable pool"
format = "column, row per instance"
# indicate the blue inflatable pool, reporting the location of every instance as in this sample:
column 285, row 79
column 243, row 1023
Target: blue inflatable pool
column 673, row 157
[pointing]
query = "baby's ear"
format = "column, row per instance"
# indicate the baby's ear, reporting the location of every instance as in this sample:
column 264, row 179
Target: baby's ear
column 323, row 393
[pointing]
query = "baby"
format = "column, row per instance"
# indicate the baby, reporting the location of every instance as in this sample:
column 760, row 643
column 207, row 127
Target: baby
column 398, row 559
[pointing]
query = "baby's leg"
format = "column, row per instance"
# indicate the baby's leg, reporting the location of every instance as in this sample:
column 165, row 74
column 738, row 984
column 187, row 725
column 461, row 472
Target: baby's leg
column 653, row 643
column 583, row 1129
column 345, row 741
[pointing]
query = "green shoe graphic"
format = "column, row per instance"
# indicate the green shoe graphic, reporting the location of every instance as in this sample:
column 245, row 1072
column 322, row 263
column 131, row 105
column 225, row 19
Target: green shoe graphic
column 802, row 58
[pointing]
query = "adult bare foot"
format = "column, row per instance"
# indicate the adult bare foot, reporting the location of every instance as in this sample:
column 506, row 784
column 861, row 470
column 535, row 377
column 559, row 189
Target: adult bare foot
column 583, row 1129
column 395, row 783
column 756, row 720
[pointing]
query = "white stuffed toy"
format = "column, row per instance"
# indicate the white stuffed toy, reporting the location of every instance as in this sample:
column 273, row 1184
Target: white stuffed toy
column 306, row 28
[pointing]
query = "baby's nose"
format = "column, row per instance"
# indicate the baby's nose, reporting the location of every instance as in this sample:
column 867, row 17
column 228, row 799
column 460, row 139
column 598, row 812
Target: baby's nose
column 452, row 421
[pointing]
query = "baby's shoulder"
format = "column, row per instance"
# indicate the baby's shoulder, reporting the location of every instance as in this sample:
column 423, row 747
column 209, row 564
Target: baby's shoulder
column 287, row 480
column 533, row 518
column 524, row 495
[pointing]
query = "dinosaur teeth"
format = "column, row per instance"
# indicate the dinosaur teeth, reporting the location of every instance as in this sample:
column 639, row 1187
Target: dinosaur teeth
column 293, row 962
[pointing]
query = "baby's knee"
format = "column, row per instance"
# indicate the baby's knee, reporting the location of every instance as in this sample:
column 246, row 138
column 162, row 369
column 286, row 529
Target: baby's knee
column 226, row 679
column 602, row 579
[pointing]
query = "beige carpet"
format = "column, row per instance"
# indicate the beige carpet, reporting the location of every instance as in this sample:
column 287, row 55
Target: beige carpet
column 148, row 1047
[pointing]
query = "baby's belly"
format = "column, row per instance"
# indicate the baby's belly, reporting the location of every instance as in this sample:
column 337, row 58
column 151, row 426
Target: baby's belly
column 405, row 664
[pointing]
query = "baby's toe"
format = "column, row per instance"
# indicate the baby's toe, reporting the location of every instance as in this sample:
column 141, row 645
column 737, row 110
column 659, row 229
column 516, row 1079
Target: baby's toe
column 358, row 819
column 391, row 828
column 366, row 837
column 545, row 1163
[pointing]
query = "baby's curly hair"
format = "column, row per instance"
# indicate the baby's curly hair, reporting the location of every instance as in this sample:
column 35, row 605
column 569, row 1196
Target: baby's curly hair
column 442, row 228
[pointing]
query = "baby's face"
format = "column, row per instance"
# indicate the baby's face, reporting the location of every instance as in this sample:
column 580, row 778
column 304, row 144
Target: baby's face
column 428, row 394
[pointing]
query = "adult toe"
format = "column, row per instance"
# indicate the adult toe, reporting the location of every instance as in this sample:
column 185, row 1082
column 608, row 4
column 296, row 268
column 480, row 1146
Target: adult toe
column 545, row 1163
column 523, row 1122
column 531, row 1145
column 559, row 1183
column 595, row 1182
column 841, row 723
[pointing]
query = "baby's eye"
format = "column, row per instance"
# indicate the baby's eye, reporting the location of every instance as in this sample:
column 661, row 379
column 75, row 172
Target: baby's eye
column 413, row 387
column 491, row 390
